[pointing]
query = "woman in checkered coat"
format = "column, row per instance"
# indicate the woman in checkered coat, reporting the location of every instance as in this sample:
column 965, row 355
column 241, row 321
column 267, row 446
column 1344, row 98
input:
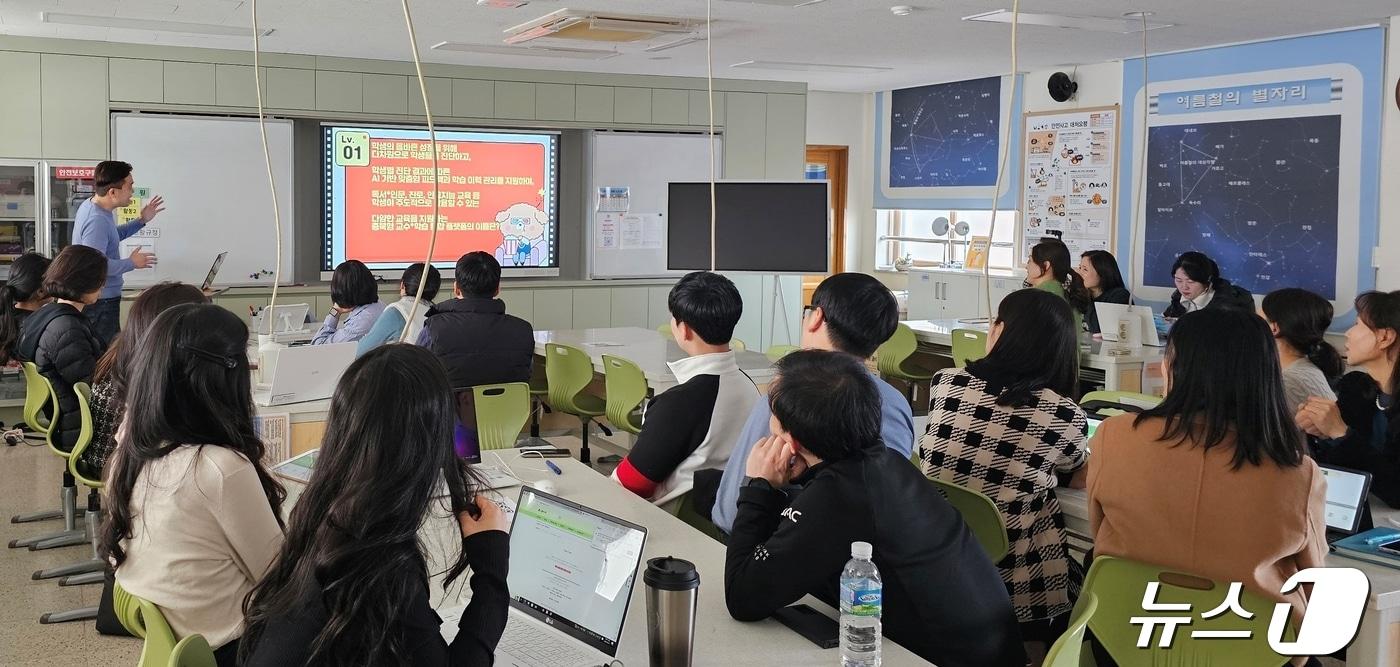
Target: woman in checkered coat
column 1005, row 426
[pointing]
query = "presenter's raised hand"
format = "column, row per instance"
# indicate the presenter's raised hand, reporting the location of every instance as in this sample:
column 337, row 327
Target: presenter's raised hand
column 152, row 209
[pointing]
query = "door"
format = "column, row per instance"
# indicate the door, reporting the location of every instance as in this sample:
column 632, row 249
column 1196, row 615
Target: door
column 70, row 183
column 829, row 163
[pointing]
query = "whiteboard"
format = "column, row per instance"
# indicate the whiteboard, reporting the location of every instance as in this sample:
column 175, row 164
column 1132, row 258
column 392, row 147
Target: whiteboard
column 645, row 163
column 213, row 177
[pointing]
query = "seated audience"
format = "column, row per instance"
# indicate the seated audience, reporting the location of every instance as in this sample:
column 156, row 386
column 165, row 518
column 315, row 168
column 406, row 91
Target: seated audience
column 1214, row 481
column 350, row 583
column 942, row 597
column 852, row 313
column 59, row 339
column 1101, row 276
column 476, row 340
column 354, row 305
column 1199, row 286
column 22, row 295
column 389, row 327
column 1299, row 319
column 1361, row 429
column 1048, row 269
column 1005, row 426
column 194, row 519
column 694, row 424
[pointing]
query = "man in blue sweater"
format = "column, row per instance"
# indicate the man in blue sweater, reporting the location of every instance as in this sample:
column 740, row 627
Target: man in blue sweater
column 96, row 227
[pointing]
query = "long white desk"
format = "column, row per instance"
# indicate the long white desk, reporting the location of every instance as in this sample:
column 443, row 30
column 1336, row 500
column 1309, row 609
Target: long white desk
column 645, row 347
column 1378, row 640
column 1116, row 372
column 719, row 639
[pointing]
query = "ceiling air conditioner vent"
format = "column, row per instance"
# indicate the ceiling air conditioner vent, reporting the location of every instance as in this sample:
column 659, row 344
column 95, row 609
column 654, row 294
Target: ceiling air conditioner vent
column 599, row 27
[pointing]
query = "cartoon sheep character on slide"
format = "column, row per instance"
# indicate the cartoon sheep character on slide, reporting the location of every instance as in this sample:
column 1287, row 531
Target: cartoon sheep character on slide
column 523, row 227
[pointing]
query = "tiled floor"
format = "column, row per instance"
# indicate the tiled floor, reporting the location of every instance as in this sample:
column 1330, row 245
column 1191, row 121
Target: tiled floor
column 29, row 481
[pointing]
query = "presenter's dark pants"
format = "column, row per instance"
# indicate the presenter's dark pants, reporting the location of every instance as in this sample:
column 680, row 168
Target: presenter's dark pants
column 105, row 317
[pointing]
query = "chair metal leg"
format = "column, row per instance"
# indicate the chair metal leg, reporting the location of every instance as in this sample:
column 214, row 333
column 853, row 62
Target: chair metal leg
column 583, row 453
column 66, row 539
column 84, row 567
column 84, row 614
column 48, row 515
column 535, row 406
column 83, row 579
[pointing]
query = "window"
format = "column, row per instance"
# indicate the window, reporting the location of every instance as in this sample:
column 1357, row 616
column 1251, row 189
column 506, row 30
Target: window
column 910, row 232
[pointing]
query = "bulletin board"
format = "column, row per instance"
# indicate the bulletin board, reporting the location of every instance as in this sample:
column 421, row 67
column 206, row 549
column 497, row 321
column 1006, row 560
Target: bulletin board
column 1071, row 177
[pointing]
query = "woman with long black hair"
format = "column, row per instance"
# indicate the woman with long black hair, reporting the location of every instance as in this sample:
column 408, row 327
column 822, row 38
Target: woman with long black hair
column 1007, row 426
column 350, row 585
column 22, row 294
column 1299, row 320
column 1099, row 271
column 194, row 519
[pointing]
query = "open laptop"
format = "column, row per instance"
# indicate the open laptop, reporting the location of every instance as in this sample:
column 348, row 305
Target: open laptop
column 572, row 571
column 307, row 373
column 213, row 272
column 1346, row 512
column 1110, row 313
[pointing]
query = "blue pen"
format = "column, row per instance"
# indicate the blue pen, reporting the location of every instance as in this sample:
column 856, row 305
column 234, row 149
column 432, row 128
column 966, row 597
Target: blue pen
column 554, row 468
column 1373, row 541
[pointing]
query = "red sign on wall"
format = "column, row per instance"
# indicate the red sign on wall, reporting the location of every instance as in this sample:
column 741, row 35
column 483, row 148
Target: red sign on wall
column 75, row 173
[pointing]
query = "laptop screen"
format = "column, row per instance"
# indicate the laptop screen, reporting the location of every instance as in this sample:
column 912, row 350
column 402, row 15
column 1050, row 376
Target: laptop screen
column 573, row 567
column 214, row 270
column 1346, row 495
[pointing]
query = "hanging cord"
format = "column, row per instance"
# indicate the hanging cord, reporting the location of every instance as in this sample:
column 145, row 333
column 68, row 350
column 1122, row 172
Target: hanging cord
column 1001, row 167
column 710, row 96
column 1141, row 177
column 267, row 159
column 432, row 140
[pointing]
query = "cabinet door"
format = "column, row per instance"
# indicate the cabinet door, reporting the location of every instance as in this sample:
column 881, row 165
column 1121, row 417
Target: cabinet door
column 73, row 102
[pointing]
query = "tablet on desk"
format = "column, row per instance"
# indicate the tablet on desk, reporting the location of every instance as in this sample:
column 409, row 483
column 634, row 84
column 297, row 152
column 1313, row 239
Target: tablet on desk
column 298, row 468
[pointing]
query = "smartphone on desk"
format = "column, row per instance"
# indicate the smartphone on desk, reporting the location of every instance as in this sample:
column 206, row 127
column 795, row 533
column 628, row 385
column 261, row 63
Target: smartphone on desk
column 817, row 627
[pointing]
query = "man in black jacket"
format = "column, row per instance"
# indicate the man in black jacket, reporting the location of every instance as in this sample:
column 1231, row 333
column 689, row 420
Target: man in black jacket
column 943, row 598
column 476, row 341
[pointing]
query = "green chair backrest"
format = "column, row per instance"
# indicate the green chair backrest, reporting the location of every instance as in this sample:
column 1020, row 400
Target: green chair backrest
column 968, row 345
column 85, row 436
column 683, row 508
column 738, row 345
column 502, row 410
column 143, row 619
column 665, row 330
column 37, row 394
column 626, row 389
column 982, row 517
column 1118, row 586
column 777, row 352
column 1066, row 650
column 892, row 354
column 1132, row 398
column 193, row 651
column 569, row 371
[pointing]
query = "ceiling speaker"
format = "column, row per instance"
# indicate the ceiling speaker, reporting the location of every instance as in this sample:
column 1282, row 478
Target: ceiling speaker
column 1061, row 87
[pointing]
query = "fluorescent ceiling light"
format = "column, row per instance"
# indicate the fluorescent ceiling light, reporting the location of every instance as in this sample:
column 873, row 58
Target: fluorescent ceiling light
column 156, row 26
column 537, row 51
column 680, row 42
column 1091, row 23
column 807, row 67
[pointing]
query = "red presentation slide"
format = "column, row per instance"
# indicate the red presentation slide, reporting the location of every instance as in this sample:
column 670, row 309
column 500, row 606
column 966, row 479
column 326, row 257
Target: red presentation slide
column 494, row 196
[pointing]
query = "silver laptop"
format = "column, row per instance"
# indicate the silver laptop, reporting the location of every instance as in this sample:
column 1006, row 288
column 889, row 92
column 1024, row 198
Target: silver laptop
column 1110, row 313
column 213, row 272
column 283, row 319
column 572, row 571
column 307, row 373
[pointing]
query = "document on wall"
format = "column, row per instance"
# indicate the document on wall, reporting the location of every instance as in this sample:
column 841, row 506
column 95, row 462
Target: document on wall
column 609, row 225
column 614, row 199
column 1071, row 177
column 631, row 232
column 275, row 431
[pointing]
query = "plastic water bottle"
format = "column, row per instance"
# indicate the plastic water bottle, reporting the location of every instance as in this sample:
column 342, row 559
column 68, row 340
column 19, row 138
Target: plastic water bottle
column 861, row 595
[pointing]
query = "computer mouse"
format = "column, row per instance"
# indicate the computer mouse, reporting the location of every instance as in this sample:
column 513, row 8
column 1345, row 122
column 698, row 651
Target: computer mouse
column 547, row 486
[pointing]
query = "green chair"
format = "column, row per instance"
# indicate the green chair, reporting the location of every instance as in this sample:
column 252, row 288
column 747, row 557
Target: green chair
column 539, row 393
column 968, row 345
column 144, row 620
column 1129, row 398
column 893, row 357
column 738, row 345
column 982, row 517
column 38, row 394
column 626, row 389
column 89, row 571
column 683, row 508
column 73, row 533
column 777, row 352
column 502, row 411
column 665, row 330
column 1066, row 650
column 38, row 385
column 1116, row 586
column 570, row 371
column 193, row 651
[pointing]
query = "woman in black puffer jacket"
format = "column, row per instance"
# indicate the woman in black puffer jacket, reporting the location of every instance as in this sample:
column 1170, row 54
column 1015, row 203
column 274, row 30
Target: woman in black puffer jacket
column 59, row 339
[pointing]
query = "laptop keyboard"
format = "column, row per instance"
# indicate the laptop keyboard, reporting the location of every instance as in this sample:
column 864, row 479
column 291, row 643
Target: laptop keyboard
column 533, row 644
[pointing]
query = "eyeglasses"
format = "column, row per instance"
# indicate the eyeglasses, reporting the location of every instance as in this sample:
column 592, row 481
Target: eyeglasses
column 808, row 309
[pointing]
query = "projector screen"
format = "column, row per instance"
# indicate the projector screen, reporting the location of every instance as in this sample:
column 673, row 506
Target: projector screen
column 498, row 192
column 766, row 227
